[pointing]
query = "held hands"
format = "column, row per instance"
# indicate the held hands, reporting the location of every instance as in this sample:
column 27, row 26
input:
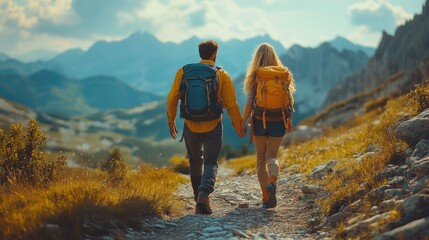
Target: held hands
column 174, row 131
column 243, row 129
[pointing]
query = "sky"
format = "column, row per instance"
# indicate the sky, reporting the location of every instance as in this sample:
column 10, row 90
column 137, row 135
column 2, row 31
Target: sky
column 58, row 25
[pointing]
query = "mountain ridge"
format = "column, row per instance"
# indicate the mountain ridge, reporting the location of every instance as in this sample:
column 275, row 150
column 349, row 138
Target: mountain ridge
column 134, row 59
column 342, row 43
column 3, row 57
column 400, row 61
column 144, row 62
column 403, row 51
column 50, row 92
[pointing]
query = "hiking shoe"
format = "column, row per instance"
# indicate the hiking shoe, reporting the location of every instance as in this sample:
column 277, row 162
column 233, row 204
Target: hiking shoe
column 203, row 204
column 272, row 201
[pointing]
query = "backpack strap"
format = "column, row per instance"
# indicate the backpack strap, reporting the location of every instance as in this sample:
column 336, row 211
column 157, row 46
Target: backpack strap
column 219, row 85
column 252, row 113
column 263, row 88
column 251, row 128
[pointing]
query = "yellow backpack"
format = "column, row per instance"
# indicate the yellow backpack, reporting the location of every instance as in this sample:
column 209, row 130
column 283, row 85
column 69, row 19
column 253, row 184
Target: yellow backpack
column 273, row 98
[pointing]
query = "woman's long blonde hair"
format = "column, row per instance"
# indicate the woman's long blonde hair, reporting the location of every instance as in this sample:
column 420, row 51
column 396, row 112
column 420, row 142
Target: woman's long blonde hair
column 264, row 55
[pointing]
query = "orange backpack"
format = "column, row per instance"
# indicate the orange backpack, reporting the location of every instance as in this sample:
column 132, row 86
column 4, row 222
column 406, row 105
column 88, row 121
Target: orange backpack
column 273, row 98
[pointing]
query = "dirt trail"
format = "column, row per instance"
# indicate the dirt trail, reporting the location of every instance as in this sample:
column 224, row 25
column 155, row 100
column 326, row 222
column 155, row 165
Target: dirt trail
column 237, row 213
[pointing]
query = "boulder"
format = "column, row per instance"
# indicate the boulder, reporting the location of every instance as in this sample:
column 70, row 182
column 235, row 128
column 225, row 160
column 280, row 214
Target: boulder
column 366, row 225
column 418, row 185
column 421, row 167
column 415, row 207
column 421, row 150
column 392, row 128
column 388, row 172
column 336, row 219
column 321, row 170
column 313, row 189
column 415, row 129
column 376, row 195
column 418, row 229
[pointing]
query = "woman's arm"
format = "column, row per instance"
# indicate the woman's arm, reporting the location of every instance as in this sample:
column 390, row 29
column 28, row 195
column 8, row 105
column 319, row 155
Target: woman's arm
column 248, row 109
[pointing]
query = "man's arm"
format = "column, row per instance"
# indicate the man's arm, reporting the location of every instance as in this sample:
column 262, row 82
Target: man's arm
column 229, row 100
column 173, row 98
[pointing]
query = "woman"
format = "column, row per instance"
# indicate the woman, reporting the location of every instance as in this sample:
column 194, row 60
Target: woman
column 267, row 131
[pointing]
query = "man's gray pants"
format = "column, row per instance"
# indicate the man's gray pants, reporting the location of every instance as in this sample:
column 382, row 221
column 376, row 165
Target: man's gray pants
column 204, row 149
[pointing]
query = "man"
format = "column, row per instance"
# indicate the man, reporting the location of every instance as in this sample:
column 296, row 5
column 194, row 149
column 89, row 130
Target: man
column 203, row 138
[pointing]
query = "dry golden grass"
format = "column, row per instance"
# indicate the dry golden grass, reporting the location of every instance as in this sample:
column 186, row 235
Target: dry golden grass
column 179, row 164
column 344, row 144
column 243, row 164
column 84, row 202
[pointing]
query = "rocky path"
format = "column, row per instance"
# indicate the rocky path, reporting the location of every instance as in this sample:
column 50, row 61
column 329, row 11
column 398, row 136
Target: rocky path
column 237, row 213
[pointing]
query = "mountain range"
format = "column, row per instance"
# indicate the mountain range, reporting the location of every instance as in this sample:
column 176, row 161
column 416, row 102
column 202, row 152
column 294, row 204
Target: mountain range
column 49, row 92
column 40, row 54
column 97, row 84
column 144, row 62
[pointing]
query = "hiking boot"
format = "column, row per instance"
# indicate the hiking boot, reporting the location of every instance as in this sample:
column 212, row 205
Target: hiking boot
column 203, row 204
column 272, row 201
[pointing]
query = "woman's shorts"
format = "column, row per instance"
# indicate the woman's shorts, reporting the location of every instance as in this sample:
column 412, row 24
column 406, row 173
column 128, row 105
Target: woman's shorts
column 274, row 128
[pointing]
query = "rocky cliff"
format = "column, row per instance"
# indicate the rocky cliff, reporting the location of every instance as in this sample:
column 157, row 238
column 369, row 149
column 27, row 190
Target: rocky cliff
column 400, row 62
column 318, row 70
column 406, row 51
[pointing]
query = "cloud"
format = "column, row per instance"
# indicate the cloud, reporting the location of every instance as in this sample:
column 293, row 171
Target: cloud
column 25, row 23
column 169, row 20
column 197, row 19
column 94, row 18
column 377, row 15
column 30, row 22
column 224, row 19
column 71, row 18
column 364, row 36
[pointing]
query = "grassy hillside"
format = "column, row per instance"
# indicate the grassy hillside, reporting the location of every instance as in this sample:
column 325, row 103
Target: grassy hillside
column 42, row 199
column 84, row 203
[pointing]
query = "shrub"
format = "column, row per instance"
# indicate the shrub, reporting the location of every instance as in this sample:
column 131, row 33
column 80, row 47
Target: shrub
column 115, row 166
column 179, row 164
column 21, row 159
column 418, row 99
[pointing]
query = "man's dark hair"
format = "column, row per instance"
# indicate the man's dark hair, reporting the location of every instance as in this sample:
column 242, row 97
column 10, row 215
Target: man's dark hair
column 207, row 48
